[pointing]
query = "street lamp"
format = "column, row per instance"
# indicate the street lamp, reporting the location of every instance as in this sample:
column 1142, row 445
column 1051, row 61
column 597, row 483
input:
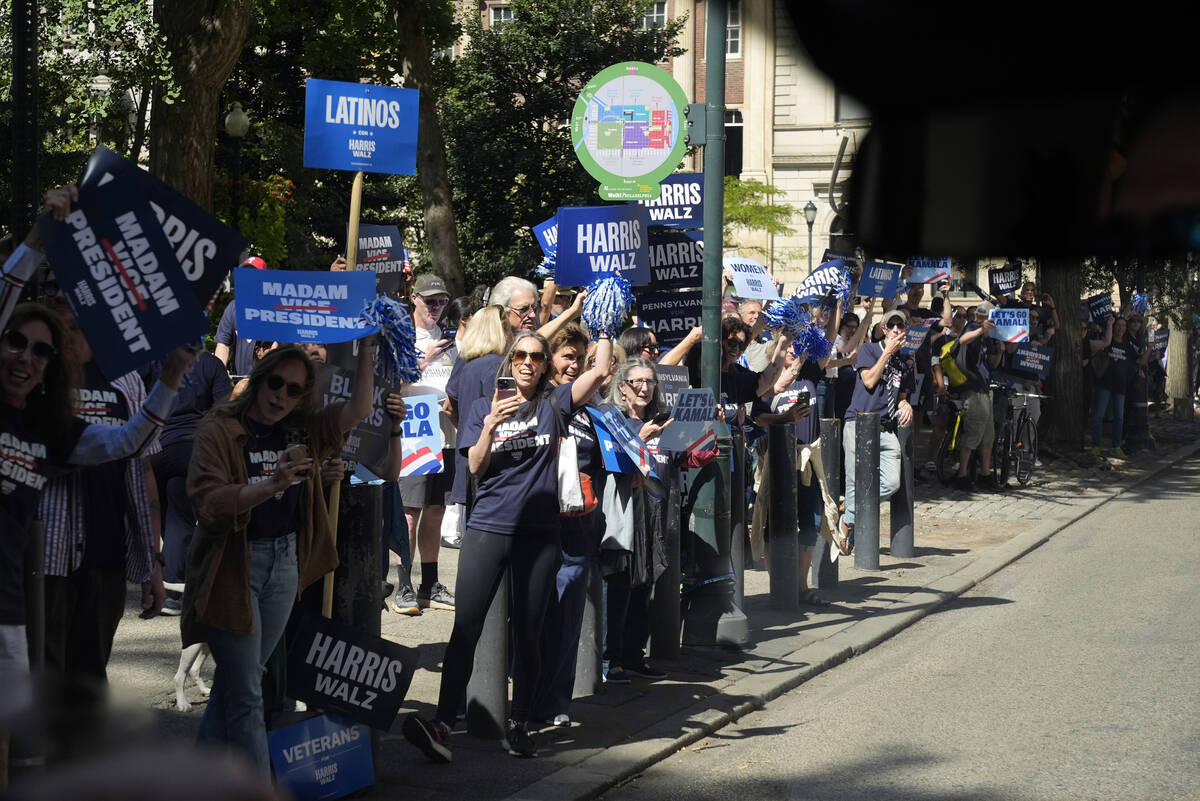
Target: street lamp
column 810, row 217
column 236, row 125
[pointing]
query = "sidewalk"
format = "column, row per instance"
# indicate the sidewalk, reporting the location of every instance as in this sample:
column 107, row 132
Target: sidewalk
column 961, row 539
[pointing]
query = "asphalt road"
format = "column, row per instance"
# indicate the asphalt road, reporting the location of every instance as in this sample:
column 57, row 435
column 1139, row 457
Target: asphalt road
column 1070, row 674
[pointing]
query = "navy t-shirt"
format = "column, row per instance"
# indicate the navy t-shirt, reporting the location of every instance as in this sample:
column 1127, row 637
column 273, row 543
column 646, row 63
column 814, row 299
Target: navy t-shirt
column 204, row 384
column 884, row 399
column 469, row 380
column 518, row 494
column 976, row 359
column 242, row 350
column 275, row 517
column 1122, row 358
column 105, row 496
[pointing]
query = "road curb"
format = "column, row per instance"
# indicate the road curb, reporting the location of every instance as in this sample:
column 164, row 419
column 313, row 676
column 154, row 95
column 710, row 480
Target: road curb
column 600, row 773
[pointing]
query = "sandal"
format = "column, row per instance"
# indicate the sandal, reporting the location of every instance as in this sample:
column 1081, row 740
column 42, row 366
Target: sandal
column 810, row 598
column 841, row 536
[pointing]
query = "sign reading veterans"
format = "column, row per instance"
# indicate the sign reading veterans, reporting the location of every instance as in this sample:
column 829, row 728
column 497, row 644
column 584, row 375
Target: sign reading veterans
column 279, row 306
column 547, row 237
column 676, row 260
column 751, row 279
column 421, row 444
column 596, row 241
column 881, row 280
column 928, row 271
column 1002, row 280
column 1012, row 325
column 1032, row 360
column 681, row 202
column 693, row 430
column 1099, row 307
column 367, row 443
column 670, row 315
column 627, row 129
column 206, row 248
column 380, row 251
column 324, row 757
column 121, row 277
column 357, row 126
column 335, row 666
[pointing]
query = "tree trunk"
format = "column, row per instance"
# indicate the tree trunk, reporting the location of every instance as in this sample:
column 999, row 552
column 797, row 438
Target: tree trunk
column 204, row 38
column 1179, row 374
column 1064, row 415
column 440, row 228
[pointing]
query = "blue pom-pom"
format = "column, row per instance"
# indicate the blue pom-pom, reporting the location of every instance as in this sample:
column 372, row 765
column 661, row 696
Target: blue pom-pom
column 812, row 343
column 546, row 268
column 773, row 315
column 843, row 288
column 607, row 302
column 1141, row 304
column 396, row 358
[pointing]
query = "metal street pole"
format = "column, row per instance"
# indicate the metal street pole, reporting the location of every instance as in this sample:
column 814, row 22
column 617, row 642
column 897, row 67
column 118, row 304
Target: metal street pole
column 25, row 137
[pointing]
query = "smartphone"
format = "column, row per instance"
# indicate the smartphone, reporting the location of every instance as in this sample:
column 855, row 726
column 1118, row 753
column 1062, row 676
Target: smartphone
column 506, row 387
column 661, row 418
column 295, row 453
column 803, row 398
column 449, row 333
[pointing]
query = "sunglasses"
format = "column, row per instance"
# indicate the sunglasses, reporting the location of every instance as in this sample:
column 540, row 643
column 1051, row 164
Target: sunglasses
column 897, row 324
column 654, row 349
column 524, row 311
column 535, row 356
column 638, row 383
column 435, row 301
column 275, row 382
column 735, row 345
column 16, row 342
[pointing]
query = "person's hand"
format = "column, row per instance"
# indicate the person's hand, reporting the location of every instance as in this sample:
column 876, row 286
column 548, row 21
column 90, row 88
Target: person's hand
column 1048, row 301
column 904, row 413
column 58, row 203
column 438, row 348
column 154, row 594
column 695, row 335
column 894, row 340
column 944, row 289
column 178, row 362
column 503, row 408
column 339, row 264
column 289, row 473
column 577, row 304
column 334, row 470
column 987, row 326
column 396, row 408
column 799, row 411
column 651, row 429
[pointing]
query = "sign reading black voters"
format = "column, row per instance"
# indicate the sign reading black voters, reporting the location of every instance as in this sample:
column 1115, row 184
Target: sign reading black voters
column 597, row 241
column 292, row 306
column 357, row 126
column 121, row 277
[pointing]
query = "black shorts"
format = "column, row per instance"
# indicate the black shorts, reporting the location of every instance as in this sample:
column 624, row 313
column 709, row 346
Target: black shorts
column 433, row 489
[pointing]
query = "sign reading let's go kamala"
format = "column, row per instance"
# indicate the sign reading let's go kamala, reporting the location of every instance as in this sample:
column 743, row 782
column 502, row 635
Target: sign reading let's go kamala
column 356, row 126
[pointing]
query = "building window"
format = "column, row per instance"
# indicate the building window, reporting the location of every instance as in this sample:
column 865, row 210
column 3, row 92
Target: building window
column 848, row 108
column 501, row 15
column 657, row 18
column 733, row 29
column 733, row 143
column 445, row 52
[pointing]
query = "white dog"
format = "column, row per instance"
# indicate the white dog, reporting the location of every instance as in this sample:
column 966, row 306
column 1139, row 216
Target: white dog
column 191, row 659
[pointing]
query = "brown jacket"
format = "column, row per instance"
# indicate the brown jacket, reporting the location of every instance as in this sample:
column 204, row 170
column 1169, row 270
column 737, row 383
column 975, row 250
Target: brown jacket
column 218, row 562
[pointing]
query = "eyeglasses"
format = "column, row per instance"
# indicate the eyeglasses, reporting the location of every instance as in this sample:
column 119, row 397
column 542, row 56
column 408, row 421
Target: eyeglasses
column 525, row 311
column 535, row 356
column 638, row 383
column 275, row 382
column 15, row 342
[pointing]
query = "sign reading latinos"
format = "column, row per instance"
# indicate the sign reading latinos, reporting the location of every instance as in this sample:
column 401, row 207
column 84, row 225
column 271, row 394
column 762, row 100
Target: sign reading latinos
column 421, row 443
column 881, row 280
column 1012, row 325
column 380, row 251
column 1002, row 280
column 681, row 203
column 627, row 129
column 121, row 277
column 751, row 279
column 357, row 126
column 670, row 315
column 596, row 241
column 693, row 430
column 677, row 260
column 322, row 758
column 928, row 271
column 279, row 306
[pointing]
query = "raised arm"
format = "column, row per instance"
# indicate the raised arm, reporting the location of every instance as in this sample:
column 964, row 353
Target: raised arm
column 363, row 392
column 677, row 354
column 549, row 290
column 549, row 329
column 587, row 383
column 766, row 379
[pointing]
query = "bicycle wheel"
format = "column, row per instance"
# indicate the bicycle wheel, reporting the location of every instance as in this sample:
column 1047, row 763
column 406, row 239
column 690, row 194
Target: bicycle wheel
column 947, row 458
column 1000, row 455
column 1025, row 450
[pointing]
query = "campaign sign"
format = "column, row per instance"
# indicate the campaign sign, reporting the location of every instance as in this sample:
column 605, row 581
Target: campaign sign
column 1032, row 360
column 672, row 379
column 881, row 280
column 357, row 126
column 677, row 259
column 546, row 234
column 206, row 248
column 335, row 666
column 324, row 757
column 620, row 447
column 291, row 306
column 670, row 315
column 751, row 279
column 1012, row 325
column 914, row 338
column 595, row 241
column 368, row 442
column 421, row 442
column 681, row 202
column 1002, row 280
column 928, row 271
column 693, row 430
column 848, row 259
column 1099, row 307
column 1161, row 337
column 121, row 277
column 380, row 251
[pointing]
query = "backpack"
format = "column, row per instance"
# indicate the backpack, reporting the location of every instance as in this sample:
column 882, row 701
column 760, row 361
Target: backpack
column 954, row 365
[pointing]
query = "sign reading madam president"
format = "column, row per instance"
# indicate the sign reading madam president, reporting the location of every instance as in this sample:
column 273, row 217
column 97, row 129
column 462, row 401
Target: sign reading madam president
column 288, row 306
column 356, row 126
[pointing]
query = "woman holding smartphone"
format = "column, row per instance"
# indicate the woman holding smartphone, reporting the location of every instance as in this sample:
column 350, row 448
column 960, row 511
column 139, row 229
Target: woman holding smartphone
column 511, row 444
column 263, row 529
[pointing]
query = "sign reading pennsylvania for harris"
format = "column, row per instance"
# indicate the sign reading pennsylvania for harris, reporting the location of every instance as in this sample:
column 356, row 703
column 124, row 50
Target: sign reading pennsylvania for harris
column 677, row 260
column 596, row 241
column 121, row 277
column 680, row 203
column 357, row 126
column 379, row 250
column 670, row 315
column 291, row 306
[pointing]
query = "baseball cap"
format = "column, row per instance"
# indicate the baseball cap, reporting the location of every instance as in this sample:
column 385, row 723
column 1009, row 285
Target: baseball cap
column 255, row 262
column 983, row 308
column 429, row 284
column 893, row 315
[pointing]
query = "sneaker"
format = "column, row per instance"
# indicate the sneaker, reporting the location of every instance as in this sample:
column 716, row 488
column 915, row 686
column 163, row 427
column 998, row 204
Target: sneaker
column 437, row 598
column 990, row 484
column 404, row 602
column 1119, row 453
column 646, row 671
column 172, row 607
column 454, row 542
column 561, row 721
column 1096, row 450
column 616, row 675
column 962, row 483
column 432, row 737
column 517, row 739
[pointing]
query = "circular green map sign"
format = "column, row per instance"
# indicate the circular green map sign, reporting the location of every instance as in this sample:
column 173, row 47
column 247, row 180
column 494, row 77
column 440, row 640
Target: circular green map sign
column 627, row 129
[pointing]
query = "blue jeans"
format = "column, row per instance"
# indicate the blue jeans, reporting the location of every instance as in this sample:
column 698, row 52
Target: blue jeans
column 1100, row 399
column 889, row 466
column 235, row 706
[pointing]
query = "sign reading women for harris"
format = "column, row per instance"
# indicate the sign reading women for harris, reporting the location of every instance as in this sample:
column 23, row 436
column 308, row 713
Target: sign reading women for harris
column 751, row 279
column 292, row 306
column 121, row 277
column 596, row 241
column 356, row 126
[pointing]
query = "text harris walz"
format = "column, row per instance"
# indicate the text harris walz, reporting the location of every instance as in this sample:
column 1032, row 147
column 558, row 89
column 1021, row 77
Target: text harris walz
column 351, row 673
column 610, row 245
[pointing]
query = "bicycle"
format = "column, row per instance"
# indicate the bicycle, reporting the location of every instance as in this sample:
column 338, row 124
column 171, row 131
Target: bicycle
column 1016, row 445
column 947, row 456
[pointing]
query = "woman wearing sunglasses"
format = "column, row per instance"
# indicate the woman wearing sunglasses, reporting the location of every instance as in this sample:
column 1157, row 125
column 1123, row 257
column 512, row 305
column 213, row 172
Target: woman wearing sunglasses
column 511, row 443
column 263, row 529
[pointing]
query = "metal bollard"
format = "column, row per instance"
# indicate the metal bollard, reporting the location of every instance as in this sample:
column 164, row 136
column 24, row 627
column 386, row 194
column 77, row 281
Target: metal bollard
column 901, row 503
column 737, row 517
column 1137, row 417
column 783, row 547
column 665, row 618
column 866, row 491
column 487, row 691
column 824, row 574
column 357, row 594
column 588, row 676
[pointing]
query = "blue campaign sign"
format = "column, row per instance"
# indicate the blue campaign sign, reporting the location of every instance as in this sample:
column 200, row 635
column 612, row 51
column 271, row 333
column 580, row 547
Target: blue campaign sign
column 681, row 202
column 914, row 338
column 620, row 448
column 1002, row 280
column 358, row 126
column 881, row 280
column 1032, row 360
column 676, row 259
column 928, row 271
column 1099, row 307
column 1012, row 325
column 324, row 757
column 292, row 306
column 421, row 442
column 547, row 236
column 121, row 277
column 380, row 250
column 1161, row 338
column 595, row 241
column 670, row 315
